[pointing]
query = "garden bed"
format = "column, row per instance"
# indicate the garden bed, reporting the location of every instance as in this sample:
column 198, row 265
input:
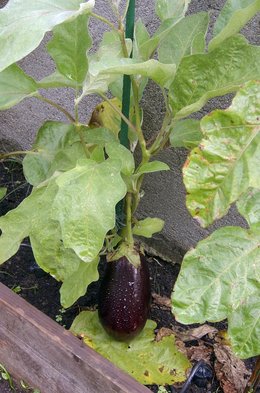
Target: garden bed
column 22, row 275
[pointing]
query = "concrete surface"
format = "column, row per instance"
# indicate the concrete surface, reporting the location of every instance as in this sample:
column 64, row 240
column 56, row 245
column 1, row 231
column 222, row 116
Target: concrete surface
column 164, row 192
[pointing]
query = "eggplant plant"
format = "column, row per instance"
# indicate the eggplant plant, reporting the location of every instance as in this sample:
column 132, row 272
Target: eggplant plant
column 81, row 173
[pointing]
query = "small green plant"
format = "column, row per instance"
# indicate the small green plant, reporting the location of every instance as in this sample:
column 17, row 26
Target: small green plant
column 85, row 170
column 6, row 376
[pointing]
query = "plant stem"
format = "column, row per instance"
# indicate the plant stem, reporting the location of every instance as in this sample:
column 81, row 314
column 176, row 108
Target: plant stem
column 129, row 233
column 16, row 153
column 104, row 20
column 140, row 135
column 126, row 120
column 57, row 106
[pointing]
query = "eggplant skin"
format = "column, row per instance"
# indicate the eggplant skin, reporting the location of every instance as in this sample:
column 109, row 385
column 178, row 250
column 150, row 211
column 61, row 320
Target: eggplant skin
column 124, row 298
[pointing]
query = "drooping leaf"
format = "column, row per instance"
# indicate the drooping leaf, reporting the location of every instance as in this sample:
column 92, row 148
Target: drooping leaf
column 218, row 278
column 3, row 191
column 176, row 9
column 105, row 73
column 117, row 151
column 69, row 46
column 233, row 16
column 249, row 206
column 153, row 166
column 146, row 360
column 75, row 286
column 185, row 133
column 85, row 205
column 58, row 147
column 244, row 328
column 179, row 42
column 148, row 227
column 17, row 40
column 204, row 76
column 15, row 85
column 226, row 162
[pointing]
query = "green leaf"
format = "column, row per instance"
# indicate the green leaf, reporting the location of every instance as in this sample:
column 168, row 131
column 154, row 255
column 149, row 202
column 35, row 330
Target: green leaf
column 180, row 40
column 100, row 136
column 220, row 278
column 233, row 16
column 141, row 36
column 17, row 40
column 176, row 9
column 69, row 46
column 146, row 360
column 249, row 206
column 56, row 80
column 58, row 147
column 244, row 328
column 98, row 154
column 85, row 205
column 148, row 227
column 33, row 218
column 76, row 285
column 153, row 166
column 119, row 152
column 204, row 76
column 227, row 160
column 104, row 73
column 3, row 191
column 185, row 133
column 15, row 85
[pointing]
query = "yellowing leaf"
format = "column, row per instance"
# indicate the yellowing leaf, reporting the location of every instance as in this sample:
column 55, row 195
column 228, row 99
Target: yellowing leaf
column 146, row 360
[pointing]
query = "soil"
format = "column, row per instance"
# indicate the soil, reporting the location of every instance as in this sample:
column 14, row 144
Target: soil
column 22, row 275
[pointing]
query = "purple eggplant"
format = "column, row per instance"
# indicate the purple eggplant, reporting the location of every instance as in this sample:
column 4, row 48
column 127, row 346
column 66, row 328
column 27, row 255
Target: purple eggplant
column 124, row 298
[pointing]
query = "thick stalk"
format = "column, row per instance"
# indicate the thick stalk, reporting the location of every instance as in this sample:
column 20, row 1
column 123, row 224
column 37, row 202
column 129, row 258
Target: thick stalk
column 57, row 106
column 128, row 206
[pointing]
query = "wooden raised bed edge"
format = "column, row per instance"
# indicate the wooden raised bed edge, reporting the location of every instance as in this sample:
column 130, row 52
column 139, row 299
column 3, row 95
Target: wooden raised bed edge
column 41, row 352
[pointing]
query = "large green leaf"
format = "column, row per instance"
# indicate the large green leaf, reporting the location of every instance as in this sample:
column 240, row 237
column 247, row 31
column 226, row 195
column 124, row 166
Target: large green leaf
column 185, row 133
column 204, row 76
column 32, row 218
column 23, row 24
column 227, row 160
column 176, row 9
column 219, row 279
column 58, row 147
column 179, row 42
column 75, row 286
column 15, row 85
column 69, row 46
column 148, row 227
column 85, row 205
column 146, row 360
column 233, row 16
column 244, row 328
column 249, row 206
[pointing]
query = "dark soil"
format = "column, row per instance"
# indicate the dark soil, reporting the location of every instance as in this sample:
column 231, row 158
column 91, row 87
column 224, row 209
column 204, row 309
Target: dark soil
column 22, row 275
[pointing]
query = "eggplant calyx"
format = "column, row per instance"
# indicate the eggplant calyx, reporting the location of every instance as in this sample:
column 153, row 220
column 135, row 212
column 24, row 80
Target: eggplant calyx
column 131, row 252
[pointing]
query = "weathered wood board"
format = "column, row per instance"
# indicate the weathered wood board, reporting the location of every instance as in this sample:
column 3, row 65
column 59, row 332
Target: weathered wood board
column 36, row 349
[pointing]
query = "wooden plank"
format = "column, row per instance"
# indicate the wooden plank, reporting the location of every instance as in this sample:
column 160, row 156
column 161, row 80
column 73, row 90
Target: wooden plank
column 38, row 350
